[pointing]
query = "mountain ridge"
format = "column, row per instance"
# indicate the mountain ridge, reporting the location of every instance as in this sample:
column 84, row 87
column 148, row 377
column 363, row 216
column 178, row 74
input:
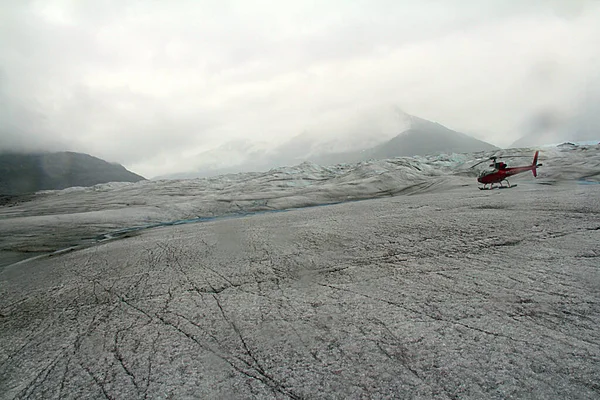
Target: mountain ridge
column 548, row 127
column 419, row 137
column 23, row 173
column 423, row 137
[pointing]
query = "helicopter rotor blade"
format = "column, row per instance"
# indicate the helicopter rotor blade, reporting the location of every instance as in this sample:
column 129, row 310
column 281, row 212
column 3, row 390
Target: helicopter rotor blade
column 481, row 162
column 492, row 158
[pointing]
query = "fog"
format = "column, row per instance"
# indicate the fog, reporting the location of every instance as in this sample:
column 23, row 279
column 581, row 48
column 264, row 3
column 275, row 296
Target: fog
column 150, row 85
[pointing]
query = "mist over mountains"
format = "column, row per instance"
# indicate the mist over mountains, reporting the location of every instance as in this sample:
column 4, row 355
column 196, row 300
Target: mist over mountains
column 551, row 126
column 383, row 134
column 422, row 137
column 399, row 134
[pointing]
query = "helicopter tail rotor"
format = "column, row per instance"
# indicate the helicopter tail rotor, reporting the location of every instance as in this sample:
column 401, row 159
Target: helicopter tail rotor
column 535, row 164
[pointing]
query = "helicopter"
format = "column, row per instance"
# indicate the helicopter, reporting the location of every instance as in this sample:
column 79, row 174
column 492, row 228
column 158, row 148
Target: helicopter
column 502, row 171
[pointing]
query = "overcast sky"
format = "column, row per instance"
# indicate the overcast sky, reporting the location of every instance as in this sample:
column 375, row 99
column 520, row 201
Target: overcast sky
column 145, row 83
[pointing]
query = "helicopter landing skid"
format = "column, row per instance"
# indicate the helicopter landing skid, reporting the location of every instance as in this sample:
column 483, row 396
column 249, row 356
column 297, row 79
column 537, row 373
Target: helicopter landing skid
column 498, row 187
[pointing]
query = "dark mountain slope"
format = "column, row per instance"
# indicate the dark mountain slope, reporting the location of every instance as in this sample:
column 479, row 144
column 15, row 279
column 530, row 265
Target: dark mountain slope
column 28, row 173
column 423, row 137
column 426, row 137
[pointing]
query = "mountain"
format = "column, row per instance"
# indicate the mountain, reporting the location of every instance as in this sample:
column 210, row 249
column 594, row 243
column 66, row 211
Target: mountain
column 230, row 157
column 553, row 127
column 422, row 137
column 567, row 134
column 28, row 173
column 379, row 135
column 426, row 137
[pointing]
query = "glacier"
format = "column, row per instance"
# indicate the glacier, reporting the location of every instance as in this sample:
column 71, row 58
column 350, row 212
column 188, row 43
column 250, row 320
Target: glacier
column 384, row 279
column 75, row 216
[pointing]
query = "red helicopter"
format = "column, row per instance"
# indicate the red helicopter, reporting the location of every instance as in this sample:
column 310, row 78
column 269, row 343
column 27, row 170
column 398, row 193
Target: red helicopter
column 501, row 172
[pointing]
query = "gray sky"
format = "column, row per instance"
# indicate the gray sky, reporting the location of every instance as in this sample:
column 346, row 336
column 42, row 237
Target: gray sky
column 147, row 83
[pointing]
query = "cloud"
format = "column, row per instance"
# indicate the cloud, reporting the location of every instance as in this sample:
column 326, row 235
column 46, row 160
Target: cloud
column 142, row 83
